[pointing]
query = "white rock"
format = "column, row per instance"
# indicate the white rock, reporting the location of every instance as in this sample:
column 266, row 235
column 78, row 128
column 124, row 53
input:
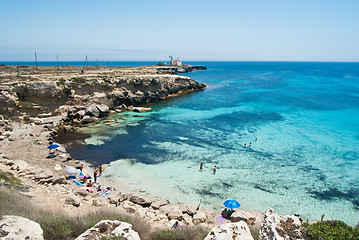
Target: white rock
column 156, row 204
column 107, row 228
column 230, row 231
column 14, row 227
column 199, row 217
column 73, row 200
column 272, row 223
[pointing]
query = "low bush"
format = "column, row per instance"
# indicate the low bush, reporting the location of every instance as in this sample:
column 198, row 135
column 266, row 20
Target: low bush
column 61, row 82
column 329, row 230
column 25, row 104
column 9, row 179
column 79, row 79
column 184, row 233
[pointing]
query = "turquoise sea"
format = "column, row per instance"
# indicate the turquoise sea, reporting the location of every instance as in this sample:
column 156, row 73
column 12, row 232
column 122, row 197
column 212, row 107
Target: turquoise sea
column 304, row 115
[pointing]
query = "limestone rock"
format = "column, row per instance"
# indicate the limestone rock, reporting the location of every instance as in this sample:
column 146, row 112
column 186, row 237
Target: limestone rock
column 107, row 229
column 199, row 217
column 193, row 209
column 233, row 231
column 141, row 200
column 159, row 203
column 20, row 165
column 175, row 214
column 14, row 227
column 46, row 174
column 89, row 119
column 59, row 180
column 92, row 110
column 252, row 218
column 103, row 110
column 142, row 109
column 72, row 200
column 276, row 227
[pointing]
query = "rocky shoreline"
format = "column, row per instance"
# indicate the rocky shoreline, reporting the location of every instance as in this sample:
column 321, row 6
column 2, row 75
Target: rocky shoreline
column 39, row 107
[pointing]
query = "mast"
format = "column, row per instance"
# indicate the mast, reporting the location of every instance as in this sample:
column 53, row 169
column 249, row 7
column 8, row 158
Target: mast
column 57, row 61
column 84, row 63
column 36, row 60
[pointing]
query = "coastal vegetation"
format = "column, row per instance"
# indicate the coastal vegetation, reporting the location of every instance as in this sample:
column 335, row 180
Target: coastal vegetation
column 328, row 230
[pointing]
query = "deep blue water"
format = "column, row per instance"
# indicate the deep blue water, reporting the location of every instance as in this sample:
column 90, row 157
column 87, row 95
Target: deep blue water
column 304, row 115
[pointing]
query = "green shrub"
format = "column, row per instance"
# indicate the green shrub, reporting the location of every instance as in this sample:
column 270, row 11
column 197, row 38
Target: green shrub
column 79, row 79
column 9, row 179
column 26, row 118
column 330, row 230
column 61, row 82
column 25, row 104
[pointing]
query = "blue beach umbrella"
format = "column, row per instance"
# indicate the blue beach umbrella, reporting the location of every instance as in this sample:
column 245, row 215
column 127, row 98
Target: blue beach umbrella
column 231, row 204
column 52, row 146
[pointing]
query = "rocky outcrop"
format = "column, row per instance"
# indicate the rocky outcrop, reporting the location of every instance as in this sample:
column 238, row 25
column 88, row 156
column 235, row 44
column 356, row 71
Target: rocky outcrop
column 108, row 229
column 235, row 231
column 43, row 98
column 14, row 227
column 252, row 218
column 276, row 227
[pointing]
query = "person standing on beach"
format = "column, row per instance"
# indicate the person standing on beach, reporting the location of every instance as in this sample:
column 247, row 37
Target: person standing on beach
column 201, row 166
column 95, row 176
column 214, row 169
column 100, row 170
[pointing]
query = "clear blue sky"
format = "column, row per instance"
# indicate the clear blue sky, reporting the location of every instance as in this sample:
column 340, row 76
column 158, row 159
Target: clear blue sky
column 243, row 30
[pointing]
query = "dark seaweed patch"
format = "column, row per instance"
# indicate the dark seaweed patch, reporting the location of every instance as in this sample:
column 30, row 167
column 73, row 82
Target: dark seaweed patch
column 351, row 195
column 257, row 186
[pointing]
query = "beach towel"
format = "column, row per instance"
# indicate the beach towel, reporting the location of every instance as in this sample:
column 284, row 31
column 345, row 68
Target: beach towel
column 221, row 219
column 77, row 183
column 105, row 193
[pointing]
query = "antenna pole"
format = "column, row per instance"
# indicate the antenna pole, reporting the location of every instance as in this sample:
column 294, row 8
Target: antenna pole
column 36, row 60
column 57, row 61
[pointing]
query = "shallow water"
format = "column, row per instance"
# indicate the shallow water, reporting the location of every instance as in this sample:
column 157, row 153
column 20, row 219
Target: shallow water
column 304, row 115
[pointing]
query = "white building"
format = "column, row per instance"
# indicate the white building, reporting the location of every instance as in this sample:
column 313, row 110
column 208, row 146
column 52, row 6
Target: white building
column 175, row 62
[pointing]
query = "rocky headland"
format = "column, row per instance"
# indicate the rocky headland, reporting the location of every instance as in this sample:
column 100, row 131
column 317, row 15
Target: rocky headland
column 35, row 105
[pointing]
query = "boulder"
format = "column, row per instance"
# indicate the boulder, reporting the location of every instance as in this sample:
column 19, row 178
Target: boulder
column 89, row 119
column 103, row 110
column 108, row 229
column 142, row 109
column 129, row 207
column 20, row 165
column 278, row 227
column 99, row 202
column 156, row 204
column 193, row 209
column 252, row 218
column 199, row 217
column 46, row 174
column 72, row 200
column 59, row 180
column 92, row 110
column 141, row 200
column 14, row 227
column 233, row 231
column 175, row 214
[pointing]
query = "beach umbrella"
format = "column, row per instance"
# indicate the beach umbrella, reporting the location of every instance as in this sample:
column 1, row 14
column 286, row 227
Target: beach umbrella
column 80, row 175
column 231, row 204
column 52, row 146
column 72, row 170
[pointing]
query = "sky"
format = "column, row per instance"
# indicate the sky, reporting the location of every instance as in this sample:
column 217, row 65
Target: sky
column 238, row 30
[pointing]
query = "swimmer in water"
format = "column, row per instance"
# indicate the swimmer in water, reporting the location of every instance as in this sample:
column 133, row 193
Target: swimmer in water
column 214, row 169
column 201, row 166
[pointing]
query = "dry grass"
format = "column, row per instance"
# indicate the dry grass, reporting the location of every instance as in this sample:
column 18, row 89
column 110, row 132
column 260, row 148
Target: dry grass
column 57, row 225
